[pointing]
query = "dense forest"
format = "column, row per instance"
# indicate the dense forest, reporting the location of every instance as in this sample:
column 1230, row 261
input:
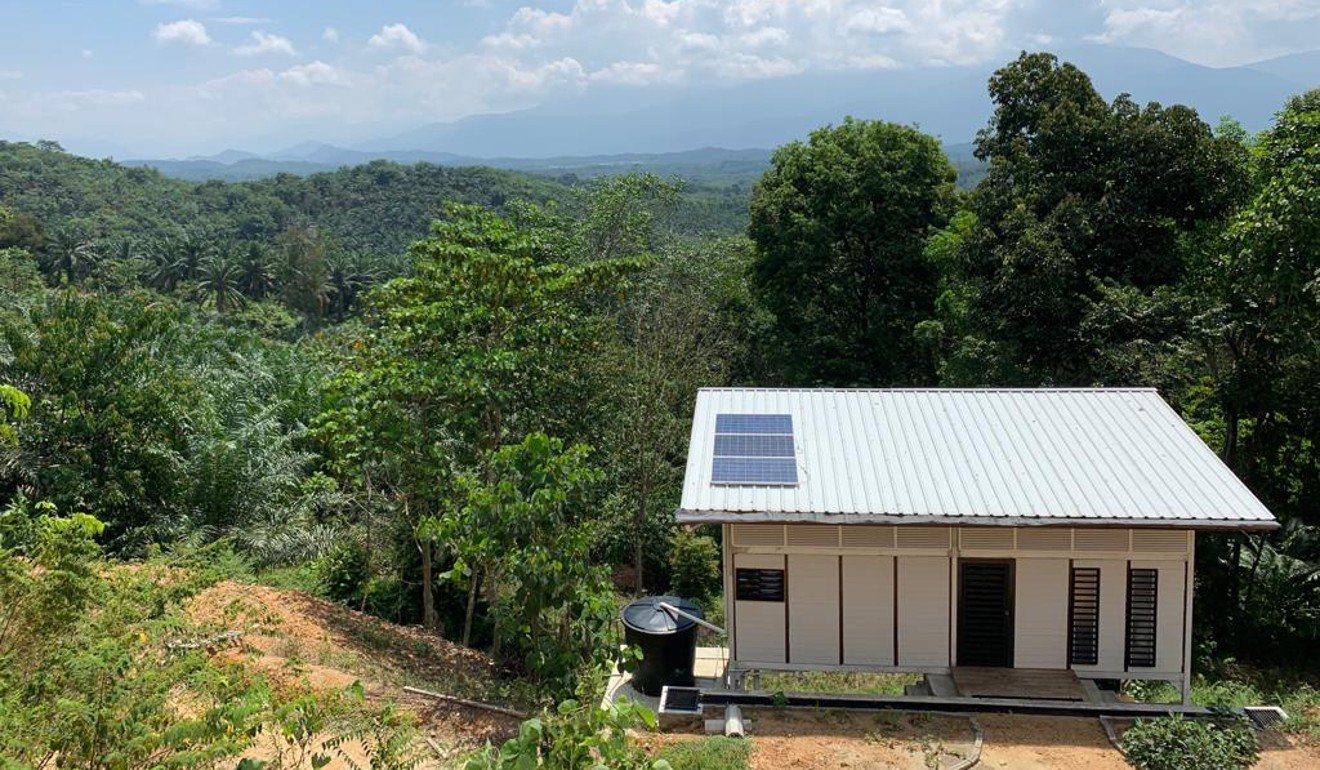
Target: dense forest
column 481, row 427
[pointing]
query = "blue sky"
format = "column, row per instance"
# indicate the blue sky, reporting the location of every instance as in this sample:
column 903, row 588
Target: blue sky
column 181, row 76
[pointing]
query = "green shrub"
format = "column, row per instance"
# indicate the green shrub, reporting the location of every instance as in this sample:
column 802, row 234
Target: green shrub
column 1175, row 743
column 716, row 752
column 694, row 565
column 345, row 570
column 575, row 735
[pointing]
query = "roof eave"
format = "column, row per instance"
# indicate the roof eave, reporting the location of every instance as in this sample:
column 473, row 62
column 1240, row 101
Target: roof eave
column 686, row 516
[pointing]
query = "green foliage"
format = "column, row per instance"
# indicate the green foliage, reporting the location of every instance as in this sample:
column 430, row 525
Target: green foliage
column 344, row 573
column 694, row 565
column 713, row 752
column 575, row 737
column 840, row 223
column 1070, row 207
column 162, row 425
column 1175, row 743
column 527, row 523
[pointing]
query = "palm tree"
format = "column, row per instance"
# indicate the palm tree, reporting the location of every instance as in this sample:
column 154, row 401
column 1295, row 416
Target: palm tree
column 71, row 256
column 350, row 273
column 219, row 282
column 256, row 272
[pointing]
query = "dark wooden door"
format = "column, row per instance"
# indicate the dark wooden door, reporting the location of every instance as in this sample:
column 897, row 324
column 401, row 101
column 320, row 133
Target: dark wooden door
column 985, row 612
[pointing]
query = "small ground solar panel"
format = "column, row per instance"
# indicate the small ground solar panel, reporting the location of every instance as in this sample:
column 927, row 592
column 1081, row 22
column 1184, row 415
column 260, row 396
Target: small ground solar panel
column 754, row 450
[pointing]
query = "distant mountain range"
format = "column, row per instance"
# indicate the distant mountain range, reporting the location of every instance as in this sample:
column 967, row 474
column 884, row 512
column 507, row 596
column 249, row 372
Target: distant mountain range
column 612, row 130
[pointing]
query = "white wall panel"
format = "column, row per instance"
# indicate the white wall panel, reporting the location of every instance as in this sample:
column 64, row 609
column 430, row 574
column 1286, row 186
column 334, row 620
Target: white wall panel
column 759, row 627
column 868, row 610
column 1040, row 634
column 1169, row 616
column 813, row 609
column 923, row 611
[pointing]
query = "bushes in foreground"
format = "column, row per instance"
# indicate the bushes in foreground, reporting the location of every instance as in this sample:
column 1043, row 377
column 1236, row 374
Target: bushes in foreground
column 1174, row 743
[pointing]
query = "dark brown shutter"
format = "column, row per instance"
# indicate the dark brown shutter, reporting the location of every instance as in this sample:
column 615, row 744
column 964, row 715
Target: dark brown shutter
column 1142, row 595
column 1084, row 616
column 759, row 585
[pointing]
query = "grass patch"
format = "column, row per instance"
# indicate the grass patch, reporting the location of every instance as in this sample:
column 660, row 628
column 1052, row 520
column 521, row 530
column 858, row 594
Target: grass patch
column 837, row 682
column 714, row 752
column 1230, row 684
column 303, row 577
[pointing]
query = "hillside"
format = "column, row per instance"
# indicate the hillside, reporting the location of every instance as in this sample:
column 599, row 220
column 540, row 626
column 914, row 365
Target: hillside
column 380, row 207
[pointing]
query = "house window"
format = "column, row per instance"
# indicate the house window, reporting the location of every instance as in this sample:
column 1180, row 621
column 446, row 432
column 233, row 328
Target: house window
column 1142, row 607
column 759, row 585
column 1084, row 616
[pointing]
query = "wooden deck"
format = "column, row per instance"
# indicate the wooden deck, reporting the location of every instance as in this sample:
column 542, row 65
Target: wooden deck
column 1018, row 683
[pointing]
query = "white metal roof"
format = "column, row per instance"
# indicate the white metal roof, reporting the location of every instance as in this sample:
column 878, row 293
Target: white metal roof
column 999, row 456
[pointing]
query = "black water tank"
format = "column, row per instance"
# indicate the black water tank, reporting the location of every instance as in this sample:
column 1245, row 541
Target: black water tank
column 668, row 642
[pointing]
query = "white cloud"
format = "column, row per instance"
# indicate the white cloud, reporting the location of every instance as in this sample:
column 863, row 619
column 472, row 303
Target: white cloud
column 70, row 101
column 316, row 73
column 11, row 75
column 397, row 37
column 87, row 53
column 263, row 43
column 878, row 21
column 187, row 31
column 241, row 20
column 634, row 73
column 1215, row 32
column 199, row 4
column 330, row 35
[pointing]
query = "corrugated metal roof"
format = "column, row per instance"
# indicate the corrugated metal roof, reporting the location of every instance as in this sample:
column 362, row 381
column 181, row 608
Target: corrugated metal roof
column 1007, row 456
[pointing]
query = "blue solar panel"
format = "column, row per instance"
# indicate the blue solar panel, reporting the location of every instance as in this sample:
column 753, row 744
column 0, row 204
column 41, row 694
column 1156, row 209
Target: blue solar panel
column 754, row 423
column 754, row 470
column 754, row 445
column 754, row 450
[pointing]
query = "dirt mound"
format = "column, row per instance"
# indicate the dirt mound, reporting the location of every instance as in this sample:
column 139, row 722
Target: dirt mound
column 300, row 641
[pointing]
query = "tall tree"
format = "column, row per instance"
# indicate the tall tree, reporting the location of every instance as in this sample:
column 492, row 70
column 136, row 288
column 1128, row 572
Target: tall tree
column 1082, row 201
column 839, row 224
column 472, row 351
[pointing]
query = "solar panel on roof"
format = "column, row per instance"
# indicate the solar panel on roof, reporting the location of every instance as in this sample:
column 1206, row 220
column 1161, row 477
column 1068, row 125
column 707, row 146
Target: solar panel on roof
column 754, row 445
column 754, row 450
column 754, row 470
column 754, row 423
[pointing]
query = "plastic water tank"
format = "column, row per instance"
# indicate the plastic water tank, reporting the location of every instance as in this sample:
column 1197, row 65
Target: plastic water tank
column 668, row 642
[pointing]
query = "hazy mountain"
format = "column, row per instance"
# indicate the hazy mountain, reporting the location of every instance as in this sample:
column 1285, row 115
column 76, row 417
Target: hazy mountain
column 608, row 130
column 1303, row 69
column 950, row 102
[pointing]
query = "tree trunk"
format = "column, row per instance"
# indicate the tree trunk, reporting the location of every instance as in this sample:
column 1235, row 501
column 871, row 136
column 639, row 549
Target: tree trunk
column 429, row 618
column 490, row 599
column 473, row 584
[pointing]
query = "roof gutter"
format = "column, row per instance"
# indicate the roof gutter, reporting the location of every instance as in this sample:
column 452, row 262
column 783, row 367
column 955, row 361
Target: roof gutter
column 686, row 516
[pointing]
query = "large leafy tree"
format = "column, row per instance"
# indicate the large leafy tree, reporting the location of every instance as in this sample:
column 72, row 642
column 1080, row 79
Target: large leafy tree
column 1084, row 202
column 839, row 223
column 474, row 350
column 1258, row 292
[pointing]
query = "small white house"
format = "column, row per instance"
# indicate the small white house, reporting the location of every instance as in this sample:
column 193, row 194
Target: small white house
column 922, row 530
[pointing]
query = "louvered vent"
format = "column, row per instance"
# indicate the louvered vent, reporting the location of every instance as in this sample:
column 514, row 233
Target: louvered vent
column 1044, row 539
column 758, row 534
column 813, row 534
column 1084, row 616
column 986, row 538
column 867, row 536
column 1159, row 541
column 1143, row 589
column 1100, row 540
column 923, row 537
